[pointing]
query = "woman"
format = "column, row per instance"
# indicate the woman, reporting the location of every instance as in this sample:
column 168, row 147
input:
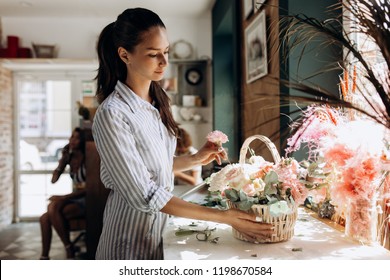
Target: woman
column 63, row 208
column 135, row 135
column 184, row 147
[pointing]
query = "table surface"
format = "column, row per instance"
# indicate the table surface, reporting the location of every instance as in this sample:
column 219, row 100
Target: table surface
column 313, row 239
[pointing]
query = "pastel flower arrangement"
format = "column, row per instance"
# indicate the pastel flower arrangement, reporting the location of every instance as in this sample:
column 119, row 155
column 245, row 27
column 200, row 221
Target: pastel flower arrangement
column 261, row 182
column 352, row 149
column 352, row 153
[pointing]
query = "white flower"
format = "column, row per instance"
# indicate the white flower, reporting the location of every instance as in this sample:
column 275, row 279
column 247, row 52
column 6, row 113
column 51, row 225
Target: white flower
column 259, row 185
column 218, row 180
column 256, row 160
column 238, row 178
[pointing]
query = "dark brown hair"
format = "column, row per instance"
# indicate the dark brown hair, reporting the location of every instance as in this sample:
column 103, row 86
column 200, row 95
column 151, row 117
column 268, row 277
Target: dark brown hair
column 183, row 140
column 127, row 32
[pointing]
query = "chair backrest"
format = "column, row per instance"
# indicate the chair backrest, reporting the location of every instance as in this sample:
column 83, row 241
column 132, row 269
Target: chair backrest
column 96, row 197
column 77, row 224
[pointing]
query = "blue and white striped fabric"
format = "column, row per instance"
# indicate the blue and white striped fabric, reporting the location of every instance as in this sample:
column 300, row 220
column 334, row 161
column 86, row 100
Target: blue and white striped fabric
column 136, row 152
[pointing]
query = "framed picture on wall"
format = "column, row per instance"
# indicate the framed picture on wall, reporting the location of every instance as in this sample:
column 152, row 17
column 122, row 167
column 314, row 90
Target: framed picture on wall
column 256, row 59
column 248, row 8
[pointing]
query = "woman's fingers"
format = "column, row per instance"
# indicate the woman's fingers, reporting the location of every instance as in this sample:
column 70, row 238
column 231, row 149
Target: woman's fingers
column 246, row 223
column 249, row 237
column 211, row 152
column 255, row 237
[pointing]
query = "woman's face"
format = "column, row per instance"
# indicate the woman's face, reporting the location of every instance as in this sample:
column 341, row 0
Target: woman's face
column 74, row 140
column 150, row 58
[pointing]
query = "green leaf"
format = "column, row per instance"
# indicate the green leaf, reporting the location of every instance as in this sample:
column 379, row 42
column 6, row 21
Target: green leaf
column 299, row 249
column 184, row 232
column 223, row 203
column 245, row 205
column 271, row 199
column 232, row 194
column 243, row 196
column 270, row 189
column 271, row 177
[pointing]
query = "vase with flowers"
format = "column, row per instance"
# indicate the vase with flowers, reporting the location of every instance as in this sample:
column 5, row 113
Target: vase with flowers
column 355, row 163
column 351, row 133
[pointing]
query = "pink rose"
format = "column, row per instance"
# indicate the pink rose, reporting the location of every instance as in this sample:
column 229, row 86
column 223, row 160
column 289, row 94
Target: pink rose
column 217, row 137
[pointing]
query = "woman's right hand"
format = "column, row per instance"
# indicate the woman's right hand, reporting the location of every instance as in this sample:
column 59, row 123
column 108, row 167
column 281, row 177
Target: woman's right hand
column 210, row 152
column 247, row 225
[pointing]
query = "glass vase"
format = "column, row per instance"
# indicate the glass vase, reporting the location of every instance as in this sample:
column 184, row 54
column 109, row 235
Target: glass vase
column 361, row 220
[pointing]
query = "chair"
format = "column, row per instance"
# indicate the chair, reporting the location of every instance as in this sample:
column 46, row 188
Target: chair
column 77, row 226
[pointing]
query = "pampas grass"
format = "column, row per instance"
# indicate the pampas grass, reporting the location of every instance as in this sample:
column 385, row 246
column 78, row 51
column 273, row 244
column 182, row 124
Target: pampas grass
column 364, row 18
column 364, row 22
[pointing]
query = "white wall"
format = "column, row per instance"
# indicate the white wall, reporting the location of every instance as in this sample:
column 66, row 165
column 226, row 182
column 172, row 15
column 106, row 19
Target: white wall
column 76, row 37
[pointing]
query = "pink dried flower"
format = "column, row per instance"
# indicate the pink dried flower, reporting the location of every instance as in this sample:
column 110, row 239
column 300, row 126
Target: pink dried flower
column 338, row 154
column 316, row 122
column 217, row 137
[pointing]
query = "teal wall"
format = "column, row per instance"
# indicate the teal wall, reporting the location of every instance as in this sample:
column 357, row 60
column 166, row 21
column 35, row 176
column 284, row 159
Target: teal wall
column 317, row 59
column 226, row 75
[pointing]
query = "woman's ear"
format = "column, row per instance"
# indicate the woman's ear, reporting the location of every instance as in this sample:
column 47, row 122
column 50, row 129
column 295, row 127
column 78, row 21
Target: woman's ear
column 123, row 54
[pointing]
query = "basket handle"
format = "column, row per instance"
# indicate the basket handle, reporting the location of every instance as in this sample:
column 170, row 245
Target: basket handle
column 266, row 141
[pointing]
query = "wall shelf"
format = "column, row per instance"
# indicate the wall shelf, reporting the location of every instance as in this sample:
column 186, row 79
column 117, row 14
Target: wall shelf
column 21, row 64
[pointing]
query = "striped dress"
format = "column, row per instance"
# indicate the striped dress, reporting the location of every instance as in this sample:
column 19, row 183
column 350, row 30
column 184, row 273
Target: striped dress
column 136, row 153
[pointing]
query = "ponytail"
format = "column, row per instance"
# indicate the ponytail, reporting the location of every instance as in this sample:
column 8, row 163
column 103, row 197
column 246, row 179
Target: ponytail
column 111, row 68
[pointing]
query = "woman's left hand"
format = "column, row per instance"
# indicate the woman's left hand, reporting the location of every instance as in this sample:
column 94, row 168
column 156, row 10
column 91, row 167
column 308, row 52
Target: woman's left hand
column 210, row 152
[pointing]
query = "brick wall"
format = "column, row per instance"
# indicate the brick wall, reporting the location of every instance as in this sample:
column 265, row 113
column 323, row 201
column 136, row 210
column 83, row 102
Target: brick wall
column 6, row 148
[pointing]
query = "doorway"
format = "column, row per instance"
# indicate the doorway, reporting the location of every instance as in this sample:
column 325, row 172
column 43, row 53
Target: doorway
column 45, row 115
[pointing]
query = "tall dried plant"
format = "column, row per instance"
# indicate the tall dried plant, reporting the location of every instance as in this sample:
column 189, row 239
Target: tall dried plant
column 368, row 19
column 360, row 17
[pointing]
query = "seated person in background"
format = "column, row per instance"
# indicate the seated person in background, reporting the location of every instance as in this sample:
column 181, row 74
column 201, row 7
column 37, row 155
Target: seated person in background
column 63, row 208
column 184, row 147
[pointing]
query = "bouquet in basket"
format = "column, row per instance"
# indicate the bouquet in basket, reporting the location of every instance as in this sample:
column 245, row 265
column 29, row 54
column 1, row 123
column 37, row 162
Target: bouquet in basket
column 261, row 182
column 281, row 185
column 270, row 190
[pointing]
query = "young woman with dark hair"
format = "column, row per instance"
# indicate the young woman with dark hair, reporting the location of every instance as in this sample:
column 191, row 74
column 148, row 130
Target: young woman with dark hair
column 135, row 135
column 184, row 146
column 63, row 208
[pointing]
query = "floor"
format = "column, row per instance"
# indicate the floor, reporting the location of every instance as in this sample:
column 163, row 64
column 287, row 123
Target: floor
column 22, row 241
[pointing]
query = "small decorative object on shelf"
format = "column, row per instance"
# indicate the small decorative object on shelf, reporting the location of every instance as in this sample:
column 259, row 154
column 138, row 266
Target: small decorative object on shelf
column 44, row 51
column 191, row 100
column 193, row 76
column 186, row 113
column 182, row 50
column 13, row 50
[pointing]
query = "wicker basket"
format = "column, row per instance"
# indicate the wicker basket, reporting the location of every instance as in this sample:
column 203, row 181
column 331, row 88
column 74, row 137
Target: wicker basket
column 284, row 224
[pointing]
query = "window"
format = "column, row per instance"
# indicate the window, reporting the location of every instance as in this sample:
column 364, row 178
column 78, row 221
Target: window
column 46, row 115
